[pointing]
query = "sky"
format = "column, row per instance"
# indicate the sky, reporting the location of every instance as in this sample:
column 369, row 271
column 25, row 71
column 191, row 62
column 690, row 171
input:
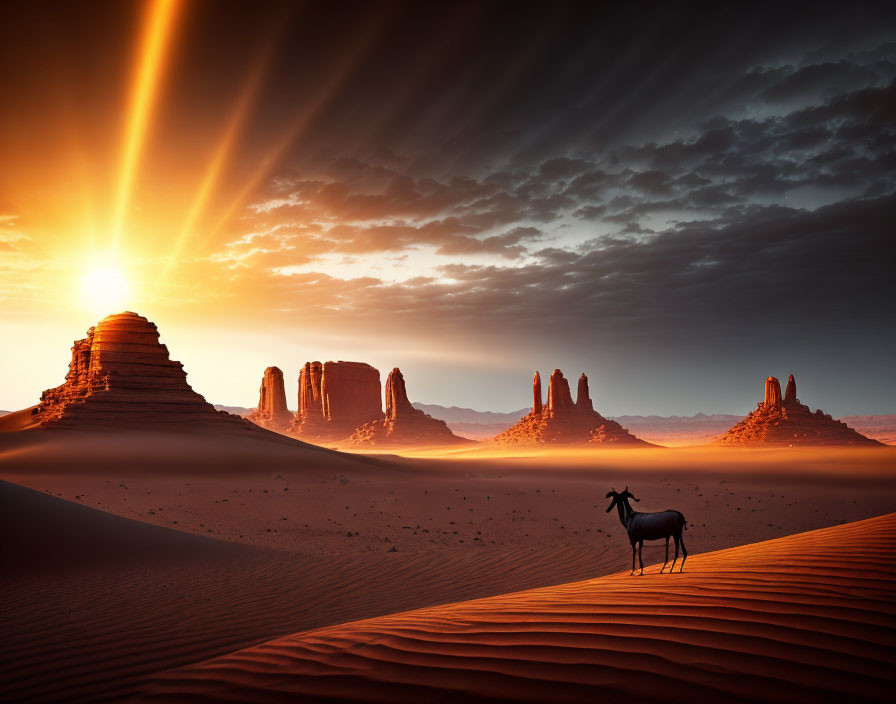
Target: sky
column 678, row 200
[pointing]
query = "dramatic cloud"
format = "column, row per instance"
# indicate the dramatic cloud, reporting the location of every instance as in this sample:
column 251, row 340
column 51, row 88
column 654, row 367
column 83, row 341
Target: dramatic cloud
column 637, row 190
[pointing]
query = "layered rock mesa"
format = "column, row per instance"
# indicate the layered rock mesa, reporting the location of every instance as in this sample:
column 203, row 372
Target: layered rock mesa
column 335, row 398
column 786, row 421
column 403, row 424
column 121, row 377
column 272, row 412
column 564, row 422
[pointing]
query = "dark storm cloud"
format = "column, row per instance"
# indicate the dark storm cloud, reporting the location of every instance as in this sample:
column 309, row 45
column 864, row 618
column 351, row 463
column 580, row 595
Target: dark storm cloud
column 675, row 177
column 765, row 272
column 771, row 267
column 843, row 146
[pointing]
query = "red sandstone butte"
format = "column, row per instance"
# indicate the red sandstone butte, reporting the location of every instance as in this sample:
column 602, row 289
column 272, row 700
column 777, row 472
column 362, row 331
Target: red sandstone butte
column 789, row 422
column 272, row 412
column 121, row 377
column 564, row 422
column 335, row 398
column 404, row 425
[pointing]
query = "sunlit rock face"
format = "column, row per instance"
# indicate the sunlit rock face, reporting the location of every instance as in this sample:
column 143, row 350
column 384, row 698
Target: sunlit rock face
column 773, row 393
column 335, row 398
column 403, row 424
column 583, row 397
column 272, row 412
column 536, row 388
column 559, row 397
column 790, row 394
column 121, row 376
column 564, row 422
column 789, row 422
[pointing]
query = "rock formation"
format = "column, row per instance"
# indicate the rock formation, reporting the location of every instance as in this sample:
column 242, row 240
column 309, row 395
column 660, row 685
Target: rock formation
column 789, row 422
column 773, row 392
column 559, row 397
column 335, row 398
column 536, row 405
column 790, row 394
column 121, row 377
column 583, row 398
column 563, row 422
column 272, row 412
column 310, row 403
column 404, row 425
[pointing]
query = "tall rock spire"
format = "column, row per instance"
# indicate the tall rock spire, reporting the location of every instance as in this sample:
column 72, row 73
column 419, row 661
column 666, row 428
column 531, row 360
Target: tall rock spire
column 583, row 398
column 271, row 411
column 790, row 393
column 272, row 395
column 773, row 392
column 536, row 392
column 397, row 403
column 558, row 392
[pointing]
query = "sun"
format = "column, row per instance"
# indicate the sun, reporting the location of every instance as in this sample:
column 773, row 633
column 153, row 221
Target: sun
column 104, row 290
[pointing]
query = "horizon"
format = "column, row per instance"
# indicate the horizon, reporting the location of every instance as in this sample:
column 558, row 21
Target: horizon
column 65, row 354
column 470, row 193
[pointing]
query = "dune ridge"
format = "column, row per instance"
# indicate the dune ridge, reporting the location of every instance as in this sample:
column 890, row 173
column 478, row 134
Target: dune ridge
column 807, row 618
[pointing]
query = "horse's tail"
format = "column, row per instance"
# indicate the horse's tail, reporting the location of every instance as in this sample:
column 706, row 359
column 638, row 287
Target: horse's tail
column 684, row 521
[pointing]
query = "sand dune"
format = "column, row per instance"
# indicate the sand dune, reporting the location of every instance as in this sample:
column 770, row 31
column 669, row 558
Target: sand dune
column 93, row 603
column 46, row 534
column 809, row 617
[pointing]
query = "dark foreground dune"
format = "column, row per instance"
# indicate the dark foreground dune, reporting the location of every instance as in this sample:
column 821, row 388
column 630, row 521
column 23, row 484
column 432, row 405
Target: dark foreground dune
column 93, row 603
column 809, row 617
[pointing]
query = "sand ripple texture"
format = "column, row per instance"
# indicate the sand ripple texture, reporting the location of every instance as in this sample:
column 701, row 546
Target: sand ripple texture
column 92, row 604
column 805, row 618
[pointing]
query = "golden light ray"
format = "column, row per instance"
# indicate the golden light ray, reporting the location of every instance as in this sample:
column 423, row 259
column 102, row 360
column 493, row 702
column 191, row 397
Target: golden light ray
column 234, row 128
column 310, row 109
column 157, row 32
column 416, row 75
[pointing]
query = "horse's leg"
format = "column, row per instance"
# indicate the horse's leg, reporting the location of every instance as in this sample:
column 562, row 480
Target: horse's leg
column 633, row 557
column 672, row 568
column 667, row 555
column 684, row 553
column 641, row 559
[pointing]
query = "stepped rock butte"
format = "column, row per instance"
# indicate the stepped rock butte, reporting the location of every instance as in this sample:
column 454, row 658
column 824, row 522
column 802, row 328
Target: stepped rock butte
column 403, row 424
column 565, row 422
column 335, row 398
column 121, row 376
column 272, row 411
column 789, row 422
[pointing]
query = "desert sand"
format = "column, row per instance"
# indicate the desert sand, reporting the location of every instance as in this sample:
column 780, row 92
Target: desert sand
column 136, row 553
column 805, row 618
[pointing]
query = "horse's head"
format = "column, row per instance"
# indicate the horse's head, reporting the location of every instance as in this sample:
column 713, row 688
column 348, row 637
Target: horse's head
column 620, row 497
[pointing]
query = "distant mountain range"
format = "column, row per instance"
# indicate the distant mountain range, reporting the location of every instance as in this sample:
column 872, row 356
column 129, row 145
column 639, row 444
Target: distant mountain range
column 680, row 430
column 456, row 414
column 663, row 430
column 236, row 410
